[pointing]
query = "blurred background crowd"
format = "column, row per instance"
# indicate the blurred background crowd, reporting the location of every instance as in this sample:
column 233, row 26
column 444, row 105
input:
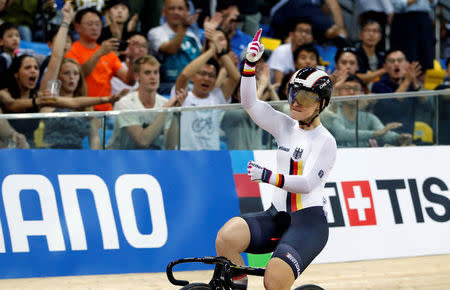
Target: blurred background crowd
column 69, row 56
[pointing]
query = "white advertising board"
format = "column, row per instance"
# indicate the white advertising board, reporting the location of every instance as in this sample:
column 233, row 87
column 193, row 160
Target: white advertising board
column 383, row 202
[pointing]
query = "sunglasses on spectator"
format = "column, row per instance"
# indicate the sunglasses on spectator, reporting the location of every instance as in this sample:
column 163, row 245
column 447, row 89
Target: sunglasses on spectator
column 349, row 49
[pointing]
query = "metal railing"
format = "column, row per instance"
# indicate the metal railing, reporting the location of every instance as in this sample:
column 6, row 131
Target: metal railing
column 233, row 110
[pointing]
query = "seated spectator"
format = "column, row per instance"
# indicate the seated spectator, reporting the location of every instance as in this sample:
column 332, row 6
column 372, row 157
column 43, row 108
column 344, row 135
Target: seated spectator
column 149, row 131
column 346, row 60
column 99, row 62
column 52, row 39
column 380, row 11
column 9, row 43
column 241, row 132
column 117, row 14
column 412, row 31
column 20, row 95
column 137, row 47
column 370, row 60
column 174, row 43
column 231, row 17
column 68, row 133
column 286, row 12
column 24, row 14
column 444, row 109
column 371, row 132
column 10, row 138
column 281, row 61
column 200, row 129
column 306, row 56
column 401, row 77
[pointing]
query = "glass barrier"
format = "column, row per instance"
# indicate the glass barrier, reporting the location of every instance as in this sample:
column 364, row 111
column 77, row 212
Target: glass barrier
column 408, row 119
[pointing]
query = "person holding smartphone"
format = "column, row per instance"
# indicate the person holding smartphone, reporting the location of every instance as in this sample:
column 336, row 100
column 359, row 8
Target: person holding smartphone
column 99, row 63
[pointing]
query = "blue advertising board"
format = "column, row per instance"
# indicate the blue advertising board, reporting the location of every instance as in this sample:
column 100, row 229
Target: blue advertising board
column 82, row 212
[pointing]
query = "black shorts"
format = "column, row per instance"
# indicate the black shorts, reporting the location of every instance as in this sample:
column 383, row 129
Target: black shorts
column 296, row 238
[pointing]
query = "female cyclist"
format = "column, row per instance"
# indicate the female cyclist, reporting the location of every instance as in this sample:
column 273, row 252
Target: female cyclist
column 295, row 227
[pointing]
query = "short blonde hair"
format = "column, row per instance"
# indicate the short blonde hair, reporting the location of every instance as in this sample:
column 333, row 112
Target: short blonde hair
column 146, row 59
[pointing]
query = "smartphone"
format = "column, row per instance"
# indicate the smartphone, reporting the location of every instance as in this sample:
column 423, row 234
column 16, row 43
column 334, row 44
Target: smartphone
column 123, row 45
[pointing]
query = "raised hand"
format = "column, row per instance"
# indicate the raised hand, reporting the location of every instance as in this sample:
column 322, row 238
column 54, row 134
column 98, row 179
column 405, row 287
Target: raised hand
column 413, row 71
column 114, row 98
column 67, row 12
column 255, row 49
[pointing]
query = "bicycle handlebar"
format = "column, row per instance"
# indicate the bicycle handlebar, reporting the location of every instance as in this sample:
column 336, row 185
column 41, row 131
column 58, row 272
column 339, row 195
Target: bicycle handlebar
column 227, row 264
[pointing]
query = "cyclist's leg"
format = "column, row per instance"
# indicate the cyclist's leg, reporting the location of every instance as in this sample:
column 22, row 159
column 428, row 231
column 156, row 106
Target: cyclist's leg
column 232, row 239
column 278, row 275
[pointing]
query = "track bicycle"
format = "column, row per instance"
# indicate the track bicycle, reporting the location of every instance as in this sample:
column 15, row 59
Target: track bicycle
column 223, row 271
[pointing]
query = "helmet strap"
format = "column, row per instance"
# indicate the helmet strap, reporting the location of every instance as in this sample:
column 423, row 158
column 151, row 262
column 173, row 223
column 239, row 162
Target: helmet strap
column 308, row 124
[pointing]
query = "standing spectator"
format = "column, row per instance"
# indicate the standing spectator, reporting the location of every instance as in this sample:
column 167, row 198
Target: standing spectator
column 174, row 43
column 250, row 10
column 231, row 17
column 380, row 11
column 370, row 60
column 371, row 132
column 281, row 61
column 143, row 131
column 99, row 62
column 200, row 129
column 24, row 13
column 287, row 12
column 117, row 14
column 412, row 31
column 401, row 77
column 9, row 43
column 444, row 108
column 137, row 47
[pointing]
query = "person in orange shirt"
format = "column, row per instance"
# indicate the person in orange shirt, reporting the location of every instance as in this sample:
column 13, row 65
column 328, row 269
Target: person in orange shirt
column 99, row 62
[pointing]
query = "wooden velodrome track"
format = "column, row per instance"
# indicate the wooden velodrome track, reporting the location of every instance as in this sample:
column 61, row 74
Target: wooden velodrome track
column 427, row 272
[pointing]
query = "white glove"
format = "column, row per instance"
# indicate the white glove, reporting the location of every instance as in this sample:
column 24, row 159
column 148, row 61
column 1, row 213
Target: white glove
column 255, row 49
column 258, row 173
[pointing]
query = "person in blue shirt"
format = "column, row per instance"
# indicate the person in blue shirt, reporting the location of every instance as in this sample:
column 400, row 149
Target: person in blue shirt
column 401, row 77
column 231, row 17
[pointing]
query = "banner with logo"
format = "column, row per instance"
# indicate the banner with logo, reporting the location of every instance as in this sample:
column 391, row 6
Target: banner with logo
column 381, row 202
column 79, row 212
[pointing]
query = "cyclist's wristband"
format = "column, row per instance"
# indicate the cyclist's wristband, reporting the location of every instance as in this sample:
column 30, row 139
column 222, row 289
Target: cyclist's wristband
column 277, row 180
column 249, row 69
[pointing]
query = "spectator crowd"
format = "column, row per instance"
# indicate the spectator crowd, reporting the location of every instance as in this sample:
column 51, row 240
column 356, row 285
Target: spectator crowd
column 134, row 55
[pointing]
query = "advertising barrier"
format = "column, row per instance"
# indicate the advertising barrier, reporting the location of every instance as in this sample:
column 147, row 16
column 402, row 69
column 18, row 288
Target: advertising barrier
column 81, row 212
column 68, row 212
column 383, row 202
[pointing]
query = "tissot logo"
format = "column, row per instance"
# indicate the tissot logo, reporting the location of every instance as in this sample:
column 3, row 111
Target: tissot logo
column 360, row 207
